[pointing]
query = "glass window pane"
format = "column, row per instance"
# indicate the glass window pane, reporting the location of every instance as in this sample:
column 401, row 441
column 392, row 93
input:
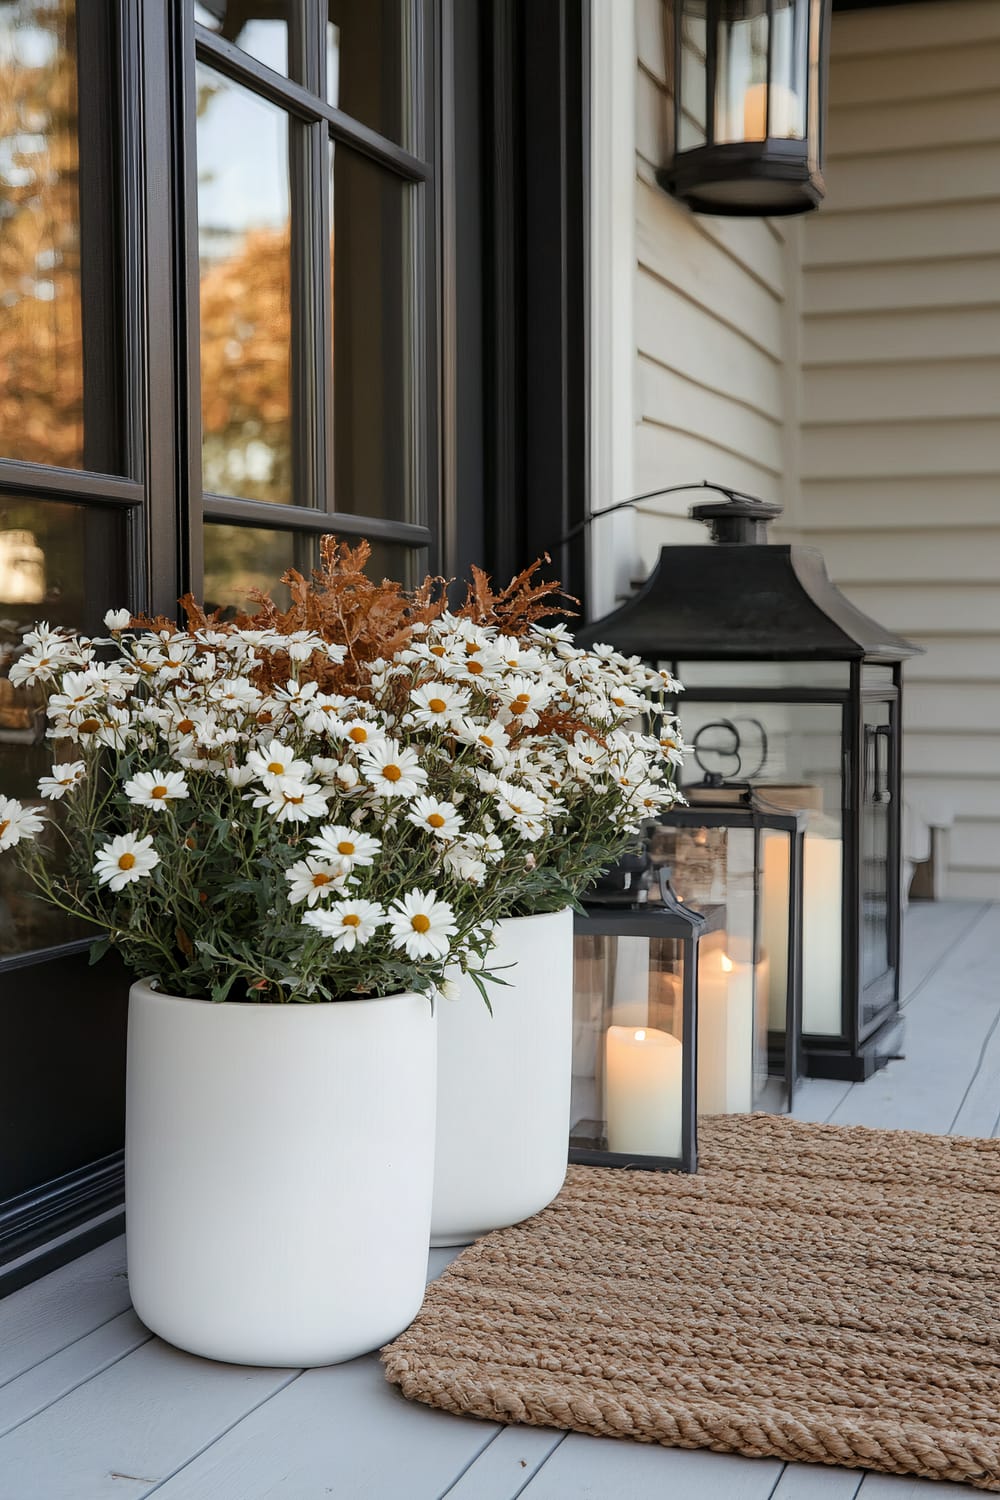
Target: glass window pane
column 241, row 558
column 244, row 259
column 260, row 29
column 58, row 308
column 61, row 563
column 369, row 61
column 373, row 347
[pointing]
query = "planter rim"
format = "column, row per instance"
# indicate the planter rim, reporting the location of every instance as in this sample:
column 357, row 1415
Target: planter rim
column 537, row 916
column 320, row 1006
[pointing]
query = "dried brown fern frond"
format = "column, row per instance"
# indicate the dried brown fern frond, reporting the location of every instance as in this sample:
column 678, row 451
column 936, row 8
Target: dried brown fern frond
column 514, row 609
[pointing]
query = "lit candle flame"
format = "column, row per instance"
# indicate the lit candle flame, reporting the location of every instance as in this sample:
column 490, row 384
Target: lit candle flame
column 727, row 964
column 640, row 1036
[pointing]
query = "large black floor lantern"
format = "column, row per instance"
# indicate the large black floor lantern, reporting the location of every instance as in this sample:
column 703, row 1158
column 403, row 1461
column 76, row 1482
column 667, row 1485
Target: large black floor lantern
column 748, row 86
column 792, row 689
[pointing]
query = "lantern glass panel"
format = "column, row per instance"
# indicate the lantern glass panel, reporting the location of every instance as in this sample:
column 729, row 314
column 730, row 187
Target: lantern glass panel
column 876, row 823
column 713, row 866
column 793, row 754
column 692, row 107
column 628, row 1045
column 766, row 674
column 788, row 84
column 741, row 77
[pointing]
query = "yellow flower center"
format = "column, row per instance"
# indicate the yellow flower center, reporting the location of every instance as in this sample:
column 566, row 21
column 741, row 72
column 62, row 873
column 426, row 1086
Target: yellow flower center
column 350, row 919
column 484, row 739
column 357, row 734
column 420, row 923
column 275, row 767
column 4, row 826
column 158, row 792
column 126, row 861
column 320, row 879
column 391, row 773
column 90, row 726
column 436, row 820
column 185, row 726
column 472, row 647
column 437, row 650
column 265, row 717
column 436, row 705
column 345, row 847
column 618, row 702
column 475, row 667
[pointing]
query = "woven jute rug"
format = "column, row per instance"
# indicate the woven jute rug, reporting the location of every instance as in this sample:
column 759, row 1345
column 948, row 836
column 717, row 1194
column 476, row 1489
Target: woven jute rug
column 816, row 1293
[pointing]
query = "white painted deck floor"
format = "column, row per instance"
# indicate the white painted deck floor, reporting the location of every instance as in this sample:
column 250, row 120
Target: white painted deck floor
column 93, row 1407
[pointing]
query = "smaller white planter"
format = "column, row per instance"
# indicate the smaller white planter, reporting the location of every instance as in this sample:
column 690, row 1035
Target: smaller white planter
column 278, row 1173
column 504, row 1085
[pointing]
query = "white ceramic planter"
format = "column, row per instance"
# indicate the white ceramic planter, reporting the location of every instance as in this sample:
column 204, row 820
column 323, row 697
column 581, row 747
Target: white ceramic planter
column 504, row 1085
column 278, row 1173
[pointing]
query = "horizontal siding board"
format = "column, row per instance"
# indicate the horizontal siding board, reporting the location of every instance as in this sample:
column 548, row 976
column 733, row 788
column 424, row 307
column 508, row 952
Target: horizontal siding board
column 973, row 885
column 924, row 74
column 950, row 609
column 881, row 557
column 959, row 705
column 954, row 174
column 931, row 389
column 938, row 333
column 911, row 234
column 652, row 138
column 942, row 447
column 949, row 755
column 872, row 129
column 674, row 249
column 969, row 281
column 663, row 457
column 975, row 843
column 916, row 500
column 972, row 798
column 866, row 34
column 671, row 400
column 650, row 38
column 685, row 337
column 961, row 659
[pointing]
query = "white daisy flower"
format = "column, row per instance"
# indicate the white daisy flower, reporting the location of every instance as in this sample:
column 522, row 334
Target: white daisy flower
column 524, row 698
column 362, row 734
column 392, row 770
column 290, row 800
column 349, row 923
column 312, row 880
column 239, row 775
column 439, row 818
column 345, row 847
column 156, row 788
column 422, row 925
column 276, row 760
column 438, row 704
column 465, row 866
column 118, row 619
column 125, row 859
column 62, row 779
column 492, row 739
column 17, row 822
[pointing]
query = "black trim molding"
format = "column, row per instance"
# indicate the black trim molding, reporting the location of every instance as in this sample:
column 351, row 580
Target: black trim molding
column 48, row 1226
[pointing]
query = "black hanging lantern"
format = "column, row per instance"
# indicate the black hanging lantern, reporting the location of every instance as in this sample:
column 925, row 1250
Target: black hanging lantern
column 635, row 980
column 748, row 87
column 799, row 692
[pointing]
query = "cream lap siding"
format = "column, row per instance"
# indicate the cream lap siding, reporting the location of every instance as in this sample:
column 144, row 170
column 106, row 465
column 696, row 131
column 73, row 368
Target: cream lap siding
column 714, row 398
column 899, row 453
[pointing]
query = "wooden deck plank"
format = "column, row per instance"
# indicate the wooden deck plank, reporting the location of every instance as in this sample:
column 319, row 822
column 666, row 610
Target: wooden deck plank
column 341, row 1431
column 586, row 1468
column 39, row 1320
column 130, row 1427
column 61, row 1373
column 817, row 1098
column 502, row 1471
column 931, row 930
column 979, row 1112
column 895, row 1487
column 817, row 1482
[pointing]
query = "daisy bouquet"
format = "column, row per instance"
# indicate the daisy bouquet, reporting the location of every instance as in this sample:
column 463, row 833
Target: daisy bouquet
column 338, row 800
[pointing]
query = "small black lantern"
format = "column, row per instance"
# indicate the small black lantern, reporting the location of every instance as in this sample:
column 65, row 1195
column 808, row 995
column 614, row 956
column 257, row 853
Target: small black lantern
column 635, row 976
column 748, row 85
column 731, row 848
column 800, row 693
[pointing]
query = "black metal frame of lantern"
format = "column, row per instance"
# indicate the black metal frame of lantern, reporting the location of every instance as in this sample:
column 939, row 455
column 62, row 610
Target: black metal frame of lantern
column 673, row 922
column 737, row 807
column 749, row 89
column 761, row 630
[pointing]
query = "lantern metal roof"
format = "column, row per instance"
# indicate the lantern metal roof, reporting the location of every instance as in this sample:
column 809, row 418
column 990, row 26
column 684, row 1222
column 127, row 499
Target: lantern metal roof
column 742, row 599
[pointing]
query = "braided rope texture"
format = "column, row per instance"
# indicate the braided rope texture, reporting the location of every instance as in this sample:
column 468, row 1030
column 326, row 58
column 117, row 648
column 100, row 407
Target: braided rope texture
column 816, row 1293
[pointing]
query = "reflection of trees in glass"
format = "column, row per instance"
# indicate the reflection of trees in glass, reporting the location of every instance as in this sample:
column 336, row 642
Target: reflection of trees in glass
column 241, row 558
column 245, row 326
column 41, row 350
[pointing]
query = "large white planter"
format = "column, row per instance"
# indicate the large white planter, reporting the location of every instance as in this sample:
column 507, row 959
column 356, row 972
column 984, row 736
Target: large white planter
column 278, row 1173
column 504, row 1085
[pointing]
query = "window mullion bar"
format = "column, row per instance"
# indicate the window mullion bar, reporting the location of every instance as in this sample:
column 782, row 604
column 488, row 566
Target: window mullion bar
column 305, row 144
column 237, row 512
column 68, row 484
column 299, row 101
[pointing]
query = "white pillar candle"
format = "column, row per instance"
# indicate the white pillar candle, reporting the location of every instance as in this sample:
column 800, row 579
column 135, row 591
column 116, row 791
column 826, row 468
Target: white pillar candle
column 725, row 1035
column 643, row 1079
column 786, row 113
column 822, row 975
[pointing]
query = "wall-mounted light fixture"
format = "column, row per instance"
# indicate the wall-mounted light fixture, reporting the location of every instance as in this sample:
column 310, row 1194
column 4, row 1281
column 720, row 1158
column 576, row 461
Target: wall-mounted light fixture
column 748, row 92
